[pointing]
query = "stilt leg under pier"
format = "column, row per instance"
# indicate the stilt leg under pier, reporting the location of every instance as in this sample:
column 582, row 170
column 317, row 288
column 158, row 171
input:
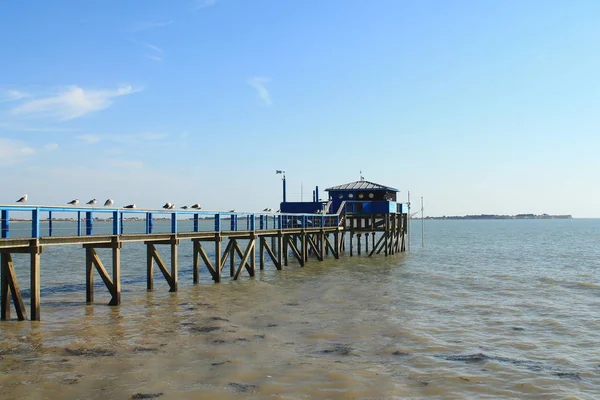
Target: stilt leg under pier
column 153, row 255
column 92, row 259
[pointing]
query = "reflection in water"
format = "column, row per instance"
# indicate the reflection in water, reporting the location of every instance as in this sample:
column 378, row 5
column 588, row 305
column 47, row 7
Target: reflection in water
column 491, row 309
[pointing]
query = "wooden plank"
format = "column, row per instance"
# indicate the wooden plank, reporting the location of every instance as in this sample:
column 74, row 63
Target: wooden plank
column 15, row 290
column 245, row 260
column 377, row 246
column 103, row 274
column 206, row 260
column 161, row 265
column 313, row 246
column 330, row 247
column 226, row 255
column 274, row 259
column 238, row 250
column 295, row 251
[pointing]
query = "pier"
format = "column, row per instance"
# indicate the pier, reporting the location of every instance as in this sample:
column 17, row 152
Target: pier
column 233, row 237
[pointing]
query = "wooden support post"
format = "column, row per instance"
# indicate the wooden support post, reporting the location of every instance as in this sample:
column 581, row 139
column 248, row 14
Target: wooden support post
column 116, row 259
column 286, row 257
column 358, row 243
column 89, row 275
column 262, row 244
column 232, row 258
column 5, row 288
column 351, row 243
column 8, row 275
column 279, row 249
column 174, row 262
column 304, row 245
column 153, row 255
column 322, row 246
column 218, row 265
column 196, row 261
column 387, row 231
column 150, row 267
column 367, row 242
column 36, row 250
column 336, row 249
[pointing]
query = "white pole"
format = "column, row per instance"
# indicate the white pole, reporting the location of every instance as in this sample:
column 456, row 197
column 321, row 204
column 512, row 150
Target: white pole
column 422, row 224
column 408, row 217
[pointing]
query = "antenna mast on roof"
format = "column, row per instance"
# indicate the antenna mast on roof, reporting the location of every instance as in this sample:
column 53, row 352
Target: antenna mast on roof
column 362, row 178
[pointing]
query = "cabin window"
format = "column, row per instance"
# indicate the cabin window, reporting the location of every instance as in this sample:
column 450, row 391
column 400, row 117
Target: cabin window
column 351, row 195
column 371, row 195
column 360, row 196
column 341, row 196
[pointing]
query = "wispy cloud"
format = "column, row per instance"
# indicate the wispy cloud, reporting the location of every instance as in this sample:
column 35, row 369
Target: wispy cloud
column 125, row 164
column 70, row 103
column 123, row 138
column 155, row 53
column 147, row 25
column 259, row 83
column 198, row 4
column 51, row 146
column 152, row 52
column 14, row 151
column 12, row 95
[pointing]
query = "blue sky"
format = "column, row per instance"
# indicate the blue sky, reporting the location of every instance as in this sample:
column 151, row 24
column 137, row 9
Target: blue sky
column 478, row 106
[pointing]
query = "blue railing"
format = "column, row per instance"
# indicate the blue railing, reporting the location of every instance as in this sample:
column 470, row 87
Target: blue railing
column 47, row 221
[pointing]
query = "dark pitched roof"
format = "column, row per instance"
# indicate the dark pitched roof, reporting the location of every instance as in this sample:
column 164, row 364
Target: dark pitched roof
column 362, row 185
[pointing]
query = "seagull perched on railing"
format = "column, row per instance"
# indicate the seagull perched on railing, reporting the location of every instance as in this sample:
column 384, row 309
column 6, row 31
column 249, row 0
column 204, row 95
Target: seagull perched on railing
column 74, row 202
column 232, row 210
column 22, row 199
column 196, row 206
column 168, row 206
column 184, row 207
column 108, row 202
column 91, row 202
column 130, row 206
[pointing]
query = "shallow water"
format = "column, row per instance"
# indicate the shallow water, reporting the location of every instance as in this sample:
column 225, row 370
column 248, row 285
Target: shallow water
column 488, row 309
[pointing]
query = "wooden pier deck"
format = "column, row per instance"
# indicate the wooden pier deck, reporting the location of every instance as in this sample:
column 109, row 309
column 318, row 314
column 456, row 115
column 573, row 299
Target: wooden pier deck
column 232, row 237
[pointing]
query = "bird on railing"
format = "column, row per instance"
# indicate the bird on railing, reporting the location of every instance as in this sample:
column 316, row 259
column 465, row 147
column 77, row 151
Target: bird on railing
column 130, row 206
column 168, row 206
column 196, row 206
column 233, row 210
column 108, row 202
column 91, row 202
column 73, row 202
column 184, row 207
column 22, row 199
column 266, row 209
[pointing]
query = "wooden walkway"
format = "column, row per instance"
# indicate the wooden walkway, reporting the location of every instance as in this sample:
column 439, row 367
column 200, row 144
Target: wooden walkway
column 278, row 237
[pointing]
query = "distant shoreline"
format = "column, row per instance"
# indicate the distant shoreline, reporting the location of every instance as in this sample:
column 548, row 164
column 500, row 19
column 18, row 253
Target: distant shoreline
column 496, row 216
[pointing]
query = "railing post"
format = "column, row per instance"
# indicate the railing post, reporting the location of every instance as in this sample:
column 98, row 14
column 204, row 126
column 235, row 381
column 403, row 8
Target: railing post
column 35, row 223
column 78, row 223
column 279, row 219
column 149, row 223
column 116, row 222
column 5, row 224
column 50, row 223
column 304, row 219
column 174, row 223
column 261, row 222
column 252, row 222
column 121, row 224
column 89, row 223
column 217, row 222
column 196, row 223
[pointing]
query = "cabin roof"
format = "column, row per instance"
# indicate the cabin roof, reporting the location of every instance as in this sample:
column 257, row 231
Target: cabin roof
column 362, row 185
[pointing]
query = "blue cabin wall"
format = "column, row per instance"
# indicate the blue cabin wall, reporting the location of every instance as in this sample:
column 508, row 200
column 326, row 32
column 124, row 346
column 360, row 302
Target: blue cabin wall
column 304, row 207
